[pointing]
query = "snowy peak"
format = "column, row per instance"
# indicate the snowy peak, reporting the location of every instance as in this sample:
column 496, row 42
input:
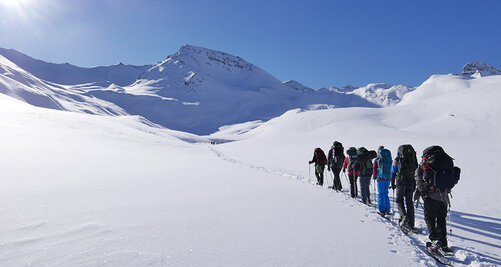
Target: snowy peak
column 479, row 69
column 298, row 86
column 200, row 59
column 194, row 68
column 212, row 57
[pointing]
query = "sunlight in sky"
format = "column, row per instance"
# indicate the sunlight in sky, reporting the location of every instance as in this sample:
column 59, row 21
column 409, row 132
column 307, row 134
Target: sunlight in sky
column 28, row 17
column 16, row 3
column 16, row 9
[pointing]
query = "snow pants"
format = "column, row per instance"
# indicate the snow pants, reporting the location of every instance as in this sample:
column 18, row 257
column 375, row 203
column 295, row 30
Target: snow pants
column 319, row 173
column 337, row 180
column 353, row 185
column 435, row 213
column 383, row 201
column 365, row 182
column 404, row 193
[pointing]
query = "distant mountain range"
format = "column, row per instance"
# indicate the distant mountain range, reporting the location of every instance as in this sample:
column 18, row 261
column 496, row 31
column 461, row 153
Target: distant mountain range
column 195, row 90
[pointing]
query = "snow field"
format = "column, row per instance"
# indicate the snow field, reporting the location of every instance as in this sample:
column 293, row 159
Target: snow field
column 86, row 190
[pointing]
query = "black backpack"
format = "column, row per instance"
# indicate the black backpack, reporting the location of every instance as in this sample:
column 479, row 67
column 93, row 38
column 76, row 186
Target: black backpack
column 365, row 158
column 338, row 154
column 439, row 172
column 406, row 157
column 354, row 164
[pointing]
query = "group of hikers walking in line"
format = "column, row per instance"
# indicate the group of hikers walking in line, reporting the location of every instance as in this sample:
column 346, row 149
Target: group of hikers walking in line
column 431, row 179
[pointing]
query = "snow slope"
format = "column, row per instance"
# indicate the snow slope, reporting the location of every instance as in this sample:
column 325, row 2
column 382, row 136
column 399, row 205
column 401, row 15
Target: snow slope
column 90, row 190
column 68, row 74
column 103, row 190
column 22, row 85
column 79, row 189
column 461, row 114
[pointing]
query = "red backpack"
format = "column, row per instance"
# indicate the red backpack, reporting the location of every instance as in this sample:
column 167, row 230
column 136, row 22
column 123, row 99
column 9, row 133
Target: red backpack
column 321, row 158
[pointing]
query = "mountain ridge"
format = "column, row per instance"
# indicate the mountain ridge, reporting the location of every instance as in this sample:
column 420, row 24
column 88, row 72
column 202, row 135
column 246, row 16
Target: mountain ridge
column 196, row 90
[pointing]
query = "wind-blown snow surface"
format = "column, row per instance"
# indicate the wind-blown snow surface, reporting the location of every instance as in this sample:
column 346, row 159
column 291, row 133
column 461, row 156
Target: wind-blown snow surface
column 81, row 189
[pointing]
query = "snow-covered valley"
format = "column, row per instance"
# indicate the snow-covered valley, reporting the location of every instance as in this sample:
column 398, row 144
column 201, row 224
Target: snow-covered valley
column 113, row 188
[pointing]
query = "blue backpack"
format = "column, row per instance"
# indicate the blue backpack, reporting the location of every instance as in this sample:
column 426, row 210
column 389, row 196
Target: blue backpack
column 384, row 163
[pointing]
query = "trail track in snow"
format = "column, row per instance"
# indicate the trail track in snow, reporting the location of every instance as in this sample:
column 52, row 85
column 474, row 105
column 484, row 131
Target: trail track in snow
column 465, row 254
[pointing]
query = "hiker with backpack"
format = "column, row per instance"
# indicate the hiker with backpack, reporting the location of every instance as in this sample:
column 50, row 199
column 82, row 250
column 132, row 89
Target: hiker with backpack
column 402, row 178
column 435, row 176
column 382, row 173
column 353, row 166
column 335, row 160
column 365, row 158
column 320, row 161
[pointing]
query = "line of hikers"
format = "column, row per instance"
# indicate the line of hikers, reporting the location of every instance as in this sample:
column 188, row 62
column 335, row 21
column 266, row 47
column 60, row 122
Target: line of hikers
column 432, row 179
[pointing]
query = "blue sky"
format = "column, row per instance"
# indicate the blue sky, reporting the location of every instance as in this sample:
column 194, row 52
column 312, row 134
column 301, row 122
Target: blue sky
column 318, row 43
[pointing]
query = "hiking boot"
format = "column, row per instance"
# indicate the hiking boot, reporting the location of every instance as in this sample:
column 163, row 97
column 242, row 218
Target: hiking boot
column 443, row 246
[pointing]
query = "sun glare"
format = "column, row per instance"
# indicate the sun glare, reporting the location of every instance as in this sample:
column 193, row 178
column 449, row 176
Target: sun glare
column 13, row 2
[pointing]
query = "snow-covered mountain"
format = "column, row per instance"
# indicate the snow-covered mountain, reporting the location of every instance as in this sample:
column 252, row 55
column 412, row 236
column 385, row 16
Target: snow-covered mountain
column 380, row 94
column 68, row 74
column 195, row 90
column 479, row 69
column 383, row 94
column 199, row 90
column 298, row 86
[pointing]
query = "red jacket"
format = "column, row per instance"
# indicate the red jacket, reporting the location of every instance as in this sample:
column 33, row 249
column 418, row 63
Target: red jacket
column 345, row 166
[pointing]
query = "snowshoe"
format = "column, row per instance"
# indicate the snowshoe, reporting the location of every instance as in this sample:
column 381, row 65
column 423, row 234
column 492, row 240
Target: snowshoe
column 446, row 251
column 434, row 251
column 405, row 227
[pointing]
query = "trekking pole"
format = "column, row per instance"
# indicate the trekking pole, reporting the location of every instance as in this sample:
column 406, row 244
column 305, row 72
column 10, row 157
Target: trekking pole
column 392, row 207
column 332, row 176
column 449, row 211
column 450, row 223
column 309, row 172
column 346, row 177
column 374, row 189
